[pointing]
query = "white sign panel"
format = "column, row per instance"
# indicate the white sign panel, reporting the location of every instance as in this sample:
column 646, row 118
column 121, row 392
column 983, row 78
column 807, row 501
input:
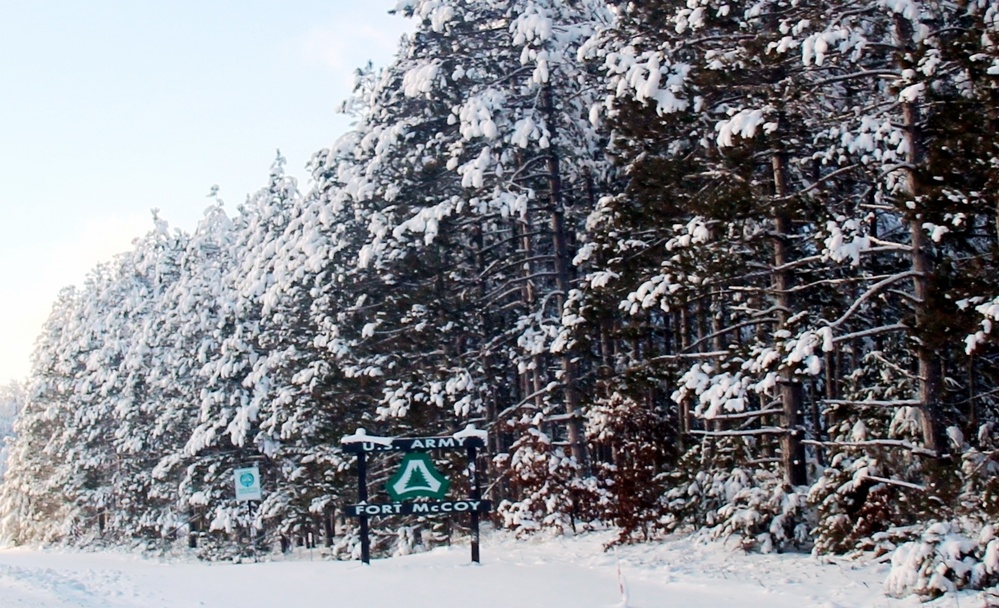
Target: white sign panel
column 247, row 484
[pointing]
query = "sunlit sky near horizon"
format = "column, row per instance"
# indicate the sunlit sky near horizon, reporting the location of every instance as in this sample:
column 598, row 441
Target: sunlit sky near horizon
column 112, row 108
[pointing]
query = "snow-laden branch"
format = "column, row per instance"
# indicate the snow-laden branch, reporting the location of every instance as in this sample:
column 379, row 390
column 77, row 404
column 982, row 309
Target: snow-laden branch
column 550, row 387
column 870, row 293
column 681, row 356
column 745, row 415
column 874, row 402
column 767, row 430
column 895, row 482
column 874, row 443
column 990, row 314
column 871, row 332
column 893, row 74
column 728, row 330
column 838, row 281
column 819, row 182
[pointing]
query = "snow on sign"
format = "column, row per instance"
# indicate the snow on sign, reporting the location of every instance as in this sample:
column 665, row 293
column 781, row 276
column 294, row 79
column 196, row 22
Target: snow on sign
column 247, row 484
column 417, row 477
column 360, row 441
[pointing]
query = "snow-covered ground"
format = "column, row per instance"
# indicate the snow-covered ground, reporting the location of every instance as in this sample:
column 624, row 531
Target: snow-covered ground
column 564, row 572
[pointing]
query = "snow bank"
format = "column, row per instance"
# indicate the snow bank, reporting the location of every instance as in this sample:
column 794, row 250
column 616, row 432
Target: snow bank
column 554, row 573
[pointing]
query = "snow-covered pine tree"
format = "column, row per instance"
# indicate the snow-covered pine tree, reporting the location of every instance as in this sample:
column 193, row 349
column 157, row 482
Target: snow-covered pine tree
column 713, row 131
column 473, row 155
column 145, row 275
column 908, row 86
column 11, row 403
column 320, row 393
column 241, row 372
column 89, row 380
column 38, row 498
column 831, row 92
column 190, row 318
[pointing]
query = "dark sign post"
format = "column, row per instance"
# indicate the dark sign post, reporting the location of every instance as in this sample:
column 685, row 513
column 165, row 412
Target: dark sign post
column 362, row 496
column 417, row 477
column 476, row 495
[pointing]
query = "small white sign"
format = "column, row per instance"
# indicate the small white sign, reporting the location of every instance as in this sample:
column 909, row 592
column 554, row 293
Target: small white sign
column 247, row 484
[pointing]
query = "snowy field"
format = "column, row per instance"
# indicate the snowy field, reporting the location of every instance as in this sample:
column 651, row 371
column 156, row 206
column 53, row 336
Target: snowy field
column 561, row 573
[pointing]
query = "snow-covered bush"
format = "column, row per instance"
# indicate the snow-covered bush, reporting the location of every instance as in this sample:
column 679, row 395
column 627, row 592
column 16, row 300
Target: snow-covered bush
column 735, row 499
column 851, row 507
column 980, row 476
column 548, row 488
column 632, row 446
column 945, row 558
column 408, row 541
column 864, row 502
column 765, row 515
column 880, row 480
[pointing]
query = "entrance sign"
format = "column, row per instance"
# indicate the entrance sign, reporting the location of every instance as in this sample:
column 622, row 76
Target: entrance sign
column 416, row 477
column 247, row 484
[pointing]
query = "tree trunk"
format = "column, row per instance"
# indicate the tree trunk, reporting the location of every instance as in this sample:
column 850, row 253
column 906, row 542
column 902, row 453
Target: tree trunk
column 928, row 367
column 684, row 323
column 792, row 450
column 560, row 238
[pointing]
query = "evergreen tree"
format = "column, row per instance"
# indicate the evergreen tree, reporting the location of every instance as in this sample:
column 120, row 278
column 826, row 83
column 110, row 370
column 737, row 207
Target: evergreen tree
column 11, row 404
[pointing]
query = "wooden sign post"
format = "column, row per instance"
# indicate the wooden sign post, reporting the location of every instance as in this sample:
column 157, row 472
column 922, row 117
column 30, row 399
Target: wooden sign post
column 417, row 477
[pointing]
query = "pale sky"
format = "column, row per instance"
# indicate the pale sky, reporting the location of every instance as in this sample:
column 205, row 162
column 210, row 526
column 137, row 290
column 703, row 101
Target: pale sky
column 111, row 108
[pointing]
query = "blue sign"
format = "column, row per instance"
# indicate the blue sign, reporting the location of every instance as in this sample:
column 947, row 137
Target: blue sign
column 247, row 484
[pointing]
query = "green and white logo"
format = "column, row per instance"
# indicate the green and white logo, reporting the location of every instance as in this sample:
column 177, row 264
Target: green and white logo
column 417, row 477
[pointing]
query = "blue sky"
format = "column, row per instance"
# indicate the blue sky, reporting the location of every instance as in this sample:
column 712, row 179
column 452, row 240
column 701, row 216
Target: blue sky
column 113, row 108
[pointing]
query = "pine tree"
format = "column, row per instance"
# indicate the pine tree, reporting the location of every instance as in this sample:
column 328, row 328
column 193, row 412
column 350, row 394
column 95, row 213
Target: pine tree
column 34, row 498
column 11, row 404
column 466, row 184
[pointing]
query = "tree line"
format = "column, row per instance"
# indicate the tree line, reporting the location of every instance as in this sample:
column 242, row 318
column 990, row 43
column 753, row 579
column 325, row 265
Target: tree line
column 712, row 264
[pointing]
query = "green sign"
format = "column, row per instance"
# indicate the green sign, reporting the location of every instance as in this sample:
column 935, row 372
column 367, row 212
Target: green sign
column 417, row 477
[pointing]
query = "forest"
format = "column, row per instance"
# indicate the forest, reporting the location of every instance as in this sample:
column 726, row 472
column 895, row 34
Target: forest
column 703, row 265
